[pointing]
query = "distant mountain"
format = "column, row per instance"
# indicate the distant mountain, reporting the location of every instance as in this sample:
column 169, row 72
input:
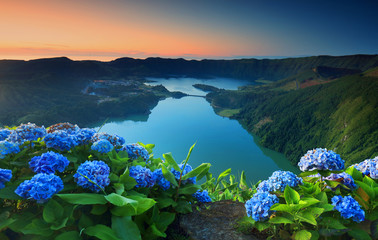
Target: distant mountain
column 252, row 69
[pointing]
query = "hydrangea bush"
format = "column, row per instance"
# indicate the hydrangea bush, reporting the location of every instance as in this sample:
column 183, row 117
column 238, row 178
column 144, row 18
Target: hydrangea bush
column 67, row 182
column 325, row 200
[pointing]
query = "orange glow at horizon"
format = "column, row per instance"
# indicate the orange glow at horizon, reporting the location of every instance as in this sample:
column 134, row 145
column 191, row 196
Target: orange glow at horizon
column 70, row 28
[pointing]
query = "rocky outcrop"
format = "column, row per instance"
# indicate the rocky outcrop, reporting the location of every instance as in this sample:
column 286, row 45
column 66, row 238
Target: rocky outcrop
column 214, row 221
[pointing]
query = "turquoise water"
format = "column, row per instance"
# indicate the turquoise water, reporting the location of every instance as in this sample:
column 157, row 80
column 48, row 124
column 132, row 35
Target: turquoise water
column 175, row 124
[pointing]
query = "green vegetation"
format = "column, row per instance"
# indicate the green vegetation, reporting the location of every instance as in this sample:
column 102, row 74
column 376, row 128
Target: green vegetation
column 51, row 190
column 228, row 112
column 338, row 115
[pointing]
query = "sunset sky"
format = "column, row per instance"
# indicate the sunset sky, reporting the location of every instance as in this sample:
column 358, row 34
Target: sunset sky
column 195, row 29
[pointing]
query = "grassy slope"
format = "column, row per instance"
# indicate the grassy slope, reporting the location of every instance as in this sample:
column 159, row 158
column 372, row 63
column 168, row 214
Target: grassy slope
column 339, row 115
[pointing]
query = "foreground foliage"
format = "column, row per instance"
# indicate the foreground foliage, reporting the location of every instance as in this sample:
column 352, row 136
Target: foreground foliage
column 65, row 182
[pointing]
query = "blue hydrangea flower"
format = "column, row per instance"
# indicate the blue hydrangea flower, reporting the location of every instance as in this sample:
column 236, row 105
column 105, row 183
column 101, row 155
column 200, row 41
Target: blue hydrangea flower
column 49, row 163
column 279, row 180
column 93, row 175
column 4, row 133
column 60, row 140
column 5, row 176
column 115, row 140
column 135, row 150
column 202, row 197
column 344, row 178
column 40, row 188
column 349, row 208
column 27, row 132
column 84, row 135
column 321, row 159
column 8, row 148
column 102, row 146
column 258, row 207
column 160, row 180
column 143, row 176
column 187, row 169
column 369, row 167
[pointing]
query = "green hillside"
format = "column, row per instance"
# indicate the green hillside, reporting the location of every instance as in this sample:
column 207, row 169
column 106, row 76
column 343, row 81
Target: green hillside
column 340, row 115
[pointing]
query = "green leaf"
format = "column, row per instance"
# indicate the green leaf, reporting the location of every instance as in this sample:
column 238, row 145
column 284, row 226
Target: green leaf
column 125, row 228
column 370, row 182
column 314, row 235
column 307, row 217
column 308, row 173
column 165, row 219
column 195, row 172
column 369, row 190
column 143, row 203
column 52, row 211
column 356, row 175
column 169, row 159
column 61, row 223
column 99, row 209
column 119, row 188
column 326, row 207
column 119, row 200
column 6, row 223
column 83, row 198
column 128, row 182
column 102, row 232
column 38, row 227
column 8, row 193
column 169, row 175
column 155, row 231
column 261, row 226
column 302, row 235
column 224, row 174
column 183, row 207
column 322, row 197
column 164, row 202
column 243, row 182
column 332, row 223
column 278, row 220
column 291, row 196
column 203, row 173
column 282, row 208
column 359, row 234
column 189, row 153
column 189, row 189
column 71, row 235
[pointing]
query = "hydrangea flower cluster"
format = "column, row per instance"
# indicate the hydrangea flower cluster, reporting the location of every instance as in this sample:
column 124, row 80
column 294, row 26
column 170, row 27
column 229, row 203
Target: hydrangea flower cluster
column 49, row 163
column 7, row 148
column 4, row 133
column 27, row 132
column 143, row 176
column 321, row 159
column 102, row 146
column 349, row 208
column 40, row 188
column 368, row 167
column 5, row 176
column 67, row 127
column 115, row 140
column 187, row 169
column 202, row 196
column 160, row 180
column 60, row 140
column 84, row 135
column 344, row 178
column 279, row 180
column 258, row 207
column 135, row 150
column 93, row 175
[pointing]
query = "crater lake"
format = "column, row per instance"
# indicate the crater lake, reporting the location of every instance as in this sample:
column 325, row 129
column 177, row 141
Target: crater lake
column 174, row 125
